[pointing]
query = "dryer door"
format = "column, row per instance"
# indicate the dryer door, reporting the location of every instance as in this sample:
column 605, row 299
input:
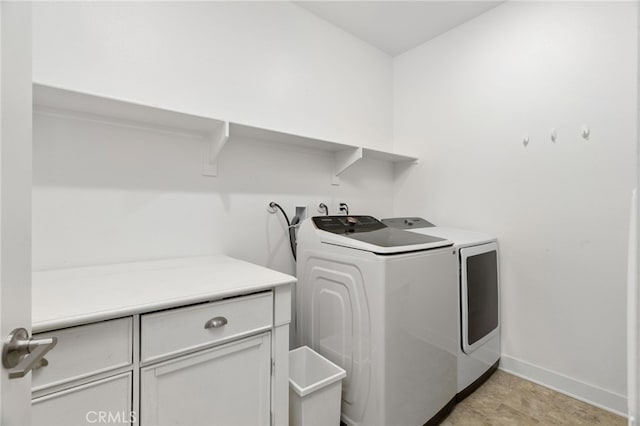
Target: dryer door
column 479, row 295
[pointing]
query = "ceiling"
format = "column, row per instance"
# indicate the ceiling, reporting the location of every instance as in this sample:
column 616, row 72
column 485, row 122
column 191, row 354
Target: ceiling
column 397, row 26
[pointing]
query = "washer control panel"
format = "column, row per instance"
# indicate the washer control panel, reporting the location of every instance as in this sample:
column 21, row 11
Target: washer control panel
column 347, row 224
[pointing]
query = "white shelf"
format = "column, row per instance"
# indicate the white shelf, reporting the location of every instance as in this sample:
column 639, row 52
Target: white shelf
column 258, row 133
column 103, row 108
column 215, row 132
column 345, row 155
column 387, row 156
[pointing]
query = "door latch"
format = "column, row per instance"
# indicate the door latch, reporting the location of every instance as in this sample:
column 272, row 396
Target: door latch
column 23, row 354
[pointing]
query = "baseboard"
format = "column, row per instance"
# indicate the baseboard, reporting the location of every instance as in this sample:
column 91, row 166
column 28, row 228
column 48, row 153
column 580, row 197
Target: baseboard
column 590, row 394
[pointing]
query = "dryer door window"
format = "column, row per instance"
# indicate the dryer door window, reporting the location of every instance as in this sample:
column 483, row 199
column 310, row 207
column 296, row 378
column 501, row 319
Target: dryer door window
column 480, row 295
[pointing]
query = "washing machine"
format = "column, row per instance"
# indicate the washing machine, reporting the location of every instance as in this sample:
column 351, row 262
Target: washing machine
column 376, row 301
column 478, row 289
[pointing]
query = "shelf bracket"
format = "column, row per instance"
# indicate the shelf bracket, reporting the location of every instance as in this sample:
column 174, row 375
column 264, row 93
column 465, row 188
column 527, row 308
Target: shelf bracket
column 343, row 160
column 213, row 147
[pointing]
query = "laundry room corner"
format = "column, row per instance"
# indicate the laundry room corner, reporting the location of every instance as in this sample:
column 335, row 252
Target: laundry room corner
column 525, row 119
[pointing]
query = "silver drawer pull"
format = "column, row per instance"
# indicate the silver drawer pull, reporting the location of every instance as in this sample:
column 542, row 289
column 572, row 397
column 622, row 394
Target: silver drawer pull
column 216, row 322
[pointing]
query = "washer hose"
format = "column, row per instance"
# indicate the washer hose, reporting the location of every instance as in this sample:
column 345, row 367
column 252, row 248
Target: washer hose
column 291, row 226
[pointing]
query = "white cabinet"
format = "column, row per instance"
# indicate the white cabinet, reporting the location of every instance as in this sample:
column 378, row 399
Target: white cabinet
column 227, row 385
column 223, row 379
column 102, row 401
column 216, row 363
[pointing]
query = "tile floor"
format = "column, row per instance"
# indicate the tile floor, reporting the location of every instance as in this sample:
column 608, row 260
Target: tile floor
column 507, row 400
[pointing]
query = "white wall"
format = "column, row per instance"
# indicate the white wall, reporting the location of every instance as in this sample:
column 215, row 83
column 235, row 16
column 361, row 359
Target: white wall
column 271, row 64
column 463, row 103
column 104, row 194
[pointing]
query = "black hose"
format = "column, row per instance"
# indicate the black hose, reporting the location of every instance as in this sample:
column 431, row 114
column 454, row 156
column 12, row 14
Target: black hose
column 290, row 227
column 292, row 237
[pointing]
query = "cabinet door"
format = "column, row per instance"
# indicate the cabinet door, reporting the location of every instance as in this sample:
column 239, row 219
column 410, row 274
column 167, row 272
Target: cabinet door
column 226, row 385
column 102, row 401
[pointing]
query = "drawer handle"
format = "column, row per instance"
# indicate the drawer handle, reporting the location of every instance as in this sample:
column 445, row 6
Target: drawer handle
column 216, row 322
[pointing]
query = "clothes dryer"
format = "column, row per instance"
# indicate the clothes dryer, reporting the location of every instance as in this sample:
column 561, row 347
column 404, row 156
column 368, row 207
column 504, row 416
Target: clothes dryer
column 478, row 305
column 375, row 300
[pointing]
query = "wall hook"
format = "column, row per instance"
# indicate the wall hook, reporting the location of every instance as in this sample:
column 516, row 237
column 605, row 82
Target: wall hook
column 554, row 135
column 525, row 141
column 585, row 132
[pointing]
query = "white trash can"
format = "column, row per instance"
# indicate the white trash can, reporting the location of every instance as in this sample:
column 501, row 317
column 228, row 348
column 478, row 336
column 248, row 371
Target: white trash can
column 315, row 389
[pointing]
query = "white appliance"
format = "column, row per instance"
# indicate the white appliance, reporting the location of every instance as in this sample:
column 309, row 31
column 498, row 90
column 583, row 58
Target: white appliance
column 377, row 302
column 479, row 299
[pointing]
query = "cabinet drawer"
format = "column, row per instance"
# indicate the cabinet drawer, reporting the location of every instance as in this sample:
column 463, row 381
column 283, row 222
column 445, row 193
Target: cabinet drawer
column 84, row 351
column 175, row 331
column 102, row 401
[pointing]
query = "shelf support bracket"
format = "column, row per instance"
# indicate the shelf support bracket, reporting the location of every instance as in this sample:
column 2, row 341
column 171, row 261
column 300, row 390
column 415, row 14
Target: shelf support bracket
column 213, row 147
column 343, row 160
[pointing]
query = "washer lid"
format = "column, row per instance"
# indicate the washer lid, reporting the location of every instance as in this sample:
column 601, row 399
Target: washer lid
column 407, row 222
column 369, row 234
column 460, row 237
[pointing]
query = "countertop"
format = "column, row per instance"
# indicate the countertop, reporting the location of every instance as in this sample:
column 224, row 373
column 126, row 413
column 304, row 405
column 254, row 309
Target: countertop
column 68, row 297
